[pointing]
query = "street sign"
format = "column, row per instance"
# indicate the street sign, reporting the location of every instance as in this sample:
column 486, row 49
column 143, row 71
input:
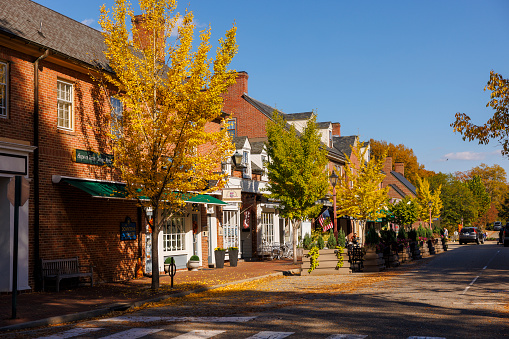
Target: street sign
column 25, row 191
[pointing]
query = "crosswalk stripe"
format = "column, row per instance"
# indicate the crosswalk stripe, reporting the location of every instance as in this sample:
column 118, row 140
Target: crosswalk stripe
column 175, row 319
column 270, row 335
column 199, row 334
column 72, row 333
column 347, row 336
column 133, row 333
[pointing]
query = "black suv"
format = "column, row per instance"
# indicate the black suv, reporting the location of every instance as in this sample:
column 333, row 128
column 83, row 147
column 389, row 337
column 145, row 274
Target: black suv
column 472, row 234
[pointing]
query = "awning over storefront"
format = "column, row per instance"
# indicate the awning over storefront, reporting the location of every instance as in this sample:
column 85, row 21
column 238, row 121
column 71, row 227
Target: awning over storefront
column 206, row 199
column 116, row 190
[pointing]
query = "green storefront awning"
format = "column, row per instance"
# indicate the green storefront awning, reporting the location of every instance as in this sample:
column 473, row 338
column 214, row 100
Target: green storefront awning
column 99, row 189
column 206, row 199
column 108, row 189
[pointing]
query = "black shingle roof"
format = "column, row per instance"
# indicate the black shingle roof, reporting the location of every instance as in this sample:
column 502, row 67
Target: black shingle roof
column 343, row 143
column 323, row 125
column 405, row 182
column 257, row 147
column 398, row 190
column 262, row 107
column 239, row 141
column 298, row 116
column 34, row 23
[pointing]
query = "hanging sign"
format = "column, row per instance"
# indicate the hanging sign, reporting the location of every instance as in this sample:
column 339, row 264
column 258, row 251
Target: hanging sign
column 231, row 194
column 92, row 158
column 127, row 230
column 247, row 221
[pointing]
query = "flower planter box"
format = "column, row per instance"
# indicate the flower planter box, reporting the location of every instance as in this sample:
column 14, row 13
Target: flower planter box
column 219, row 256
column 373, row 262
column 233, row 256
column 327, row 262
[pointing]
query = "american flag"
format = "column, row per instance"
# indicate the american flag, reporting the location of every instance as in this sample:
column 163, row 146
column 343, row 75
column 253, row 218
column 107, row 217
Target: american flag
column 325, row 220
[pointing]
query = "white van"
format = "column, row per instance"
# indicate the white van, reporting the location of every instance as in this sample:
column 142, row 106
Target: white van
column 497, row 225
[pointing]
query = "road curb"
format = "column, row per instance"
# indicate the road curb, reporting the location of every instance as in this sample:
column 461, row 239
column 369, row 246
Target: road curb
column 125, row 306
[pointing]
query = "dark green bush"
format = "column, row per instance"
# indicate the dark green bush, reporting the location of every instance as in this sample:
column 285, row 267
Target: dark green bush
column 307, row 243
column 372, row 237
column 402, row 233
column 331, row 242
column 341, row 238
column 320, row 243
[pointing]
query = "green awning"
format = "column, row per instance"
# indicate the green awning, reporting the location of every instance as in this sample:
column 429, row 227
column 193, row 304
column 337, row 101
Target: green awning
column 105, row 189
column 206, row 199
column 100, row 189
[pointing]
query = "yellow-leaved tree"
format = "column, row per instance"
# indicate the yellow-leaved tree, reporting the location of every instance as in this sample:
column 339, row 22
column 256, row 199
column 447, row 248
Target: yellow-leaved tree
column 168, row 140
column 359, row 192
column 425, row 196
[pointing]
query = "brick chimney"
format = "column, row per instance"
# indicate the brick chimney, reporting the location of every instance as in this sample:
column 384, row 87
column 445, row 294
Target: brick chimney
column 144, row 36
column 387, row 165
column 336, row 129
column 400, row 168
column 241, row 85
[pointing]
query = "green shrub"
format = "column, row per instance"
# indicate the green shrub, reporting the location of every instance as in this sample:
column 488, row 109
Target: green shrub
column 169, row 260
column 372, row 237
column 421, row 232
column 429, row 233
column 388, row 236
column 194, row 258
column 331, row 242
column 341, row 238
column 307, row 242
column 320, row 243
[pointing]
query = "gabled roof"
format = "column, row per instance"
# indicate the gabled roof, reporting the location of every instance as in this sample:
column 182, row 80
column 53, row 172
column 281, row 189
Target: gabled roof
column 404, row 181
column 257, row 147
column 343, row 143
column 298, row 116
column 264, row 108
column 43, row 27
column 323, row 125
column 239, row 142
column 398, row 190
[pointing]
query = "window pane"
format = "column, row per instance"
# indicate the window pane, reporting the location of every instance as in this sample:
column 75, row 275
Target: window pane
column 64, row 105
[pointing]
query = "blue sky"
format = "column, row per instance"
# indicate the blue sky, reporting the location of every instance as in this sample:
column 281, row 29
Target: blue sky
column 389, row 70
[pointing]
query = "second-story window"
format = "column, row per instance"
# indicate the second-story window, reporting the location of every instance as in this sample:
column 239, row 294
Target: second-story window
column 231, row 126
column 64, row 105
column 3, row 90
column 116, row 116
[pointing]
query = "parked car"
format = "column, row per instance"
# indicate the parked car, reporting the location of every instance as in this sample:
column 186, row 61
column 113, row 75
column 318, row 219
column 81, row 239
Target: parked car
column 497, row 225
column 473, row 234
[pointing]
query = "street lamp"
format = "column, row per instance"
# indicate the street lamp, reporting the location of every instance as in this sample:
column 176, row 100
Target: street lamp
column 334, row 181
column 237, row 159
column 430, row 204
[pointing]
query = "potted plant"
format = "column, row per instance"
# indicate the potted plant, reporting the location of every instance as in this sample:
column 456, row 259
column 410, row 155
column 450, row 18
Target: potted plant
column 233, row 253
column 167, row 262
column 194, row 263
column 219, row 253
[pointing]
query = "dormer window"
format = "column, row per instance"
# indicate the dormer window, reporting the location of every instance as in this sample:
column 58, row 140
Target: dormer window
column 246, row 163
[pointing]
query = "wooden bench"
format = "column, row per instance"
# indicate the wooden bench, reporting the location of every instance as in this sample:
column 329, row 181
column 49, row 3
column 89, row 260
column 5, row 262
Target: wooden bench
column 355, row 257
column 58, row 269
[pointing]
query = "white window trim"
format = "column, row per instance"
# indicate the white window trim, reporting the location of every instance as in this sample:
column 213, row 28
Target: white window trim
column 71, row 102
column 246, row 172
column 6, row 84
column 170, row 238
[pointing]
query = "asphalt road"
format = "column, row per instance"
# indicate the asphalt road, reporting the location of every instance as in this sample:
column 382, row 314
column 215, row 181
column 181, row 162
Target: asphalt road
column 462, row 293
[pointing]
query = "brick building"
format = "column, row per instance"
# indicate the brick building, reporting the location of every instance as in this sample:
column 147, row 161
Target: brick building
column 52, row 131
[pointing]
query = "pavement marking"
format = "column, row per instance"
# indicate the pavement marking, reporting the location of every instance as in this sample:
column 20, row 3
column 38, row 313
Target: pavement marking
column 133, row 333
column 469, row 285
column 72, row 333
column 426, row 338
column 146, row 319
column 270, row 335
column 347, row 336
column 199, row 334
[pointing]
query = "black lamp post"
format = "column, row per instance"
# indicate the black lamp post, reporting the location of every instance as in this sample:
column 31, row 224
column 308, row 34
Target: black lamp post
column 334, row 181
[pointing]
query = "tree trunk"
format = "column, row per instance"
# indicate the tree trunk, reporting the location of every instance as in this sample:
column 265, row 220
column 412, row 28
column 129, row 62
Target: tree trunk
column 295, row 225
column 155, row 250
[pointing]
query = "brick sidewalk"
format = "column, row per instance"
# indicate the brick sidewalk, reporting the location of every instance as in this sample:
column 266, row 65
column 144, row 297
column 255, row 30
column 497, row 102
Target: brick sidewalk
column 41, row 305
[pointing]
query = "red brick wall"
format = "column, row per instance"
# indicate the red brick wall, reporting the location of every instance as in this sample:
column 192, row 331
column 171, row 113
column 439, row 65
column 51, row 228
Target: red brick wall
column 72, row 223
column 250, row 121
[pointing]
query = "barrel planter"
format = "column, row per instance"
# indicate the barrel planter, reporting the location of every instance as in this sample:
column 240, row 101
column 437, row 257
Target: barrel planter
column 327, row 261
column 373, row 262
column 431, row 246
column 219, row 256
